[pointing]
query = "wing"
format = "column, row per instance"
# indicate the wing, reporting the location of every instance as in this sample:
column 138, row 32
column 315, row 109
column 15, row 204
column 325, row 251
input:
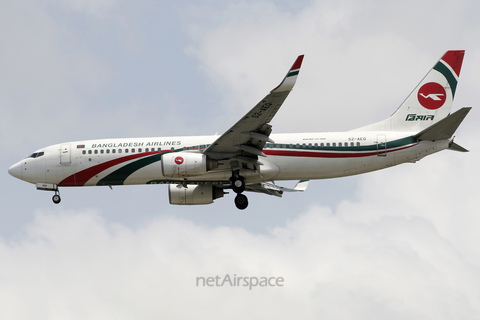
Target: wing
column 245, row 140
column 274, row 190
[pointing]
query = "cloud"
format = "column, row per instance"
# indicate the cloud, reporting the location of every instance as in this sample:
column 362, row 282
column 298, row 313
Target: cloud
column 344, row 263
column 403, row 246
column 354, row 72
column 89, row 6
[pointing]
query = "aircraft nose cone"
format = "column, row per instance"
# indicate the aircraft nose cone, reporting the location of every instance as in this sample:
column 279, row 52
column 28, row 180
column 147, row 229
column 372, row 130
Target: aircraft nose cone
column 16, row 170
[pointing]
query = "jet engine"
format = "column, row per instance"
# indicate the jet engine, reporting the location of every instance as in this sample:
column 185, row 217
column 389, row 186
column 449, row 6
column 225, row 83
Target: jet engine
column 186, row 164
column 193, row 194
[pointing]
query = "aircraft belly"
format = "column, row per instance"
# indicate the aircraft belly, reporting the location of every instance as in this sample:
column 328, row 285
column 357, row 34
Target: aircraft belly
column 298, row 168
column 422, row 149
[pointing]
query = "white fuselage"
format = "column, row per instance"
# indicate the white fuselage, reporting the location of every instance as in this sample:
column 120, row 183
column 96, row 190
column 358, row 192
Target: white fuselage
column 292, row 157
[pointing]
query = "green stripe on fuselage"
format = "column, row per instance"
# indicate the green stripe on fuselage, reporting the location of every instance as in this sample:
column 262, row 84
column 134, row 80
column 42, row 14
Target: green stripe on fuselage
column 372, row 147
column 119, row 176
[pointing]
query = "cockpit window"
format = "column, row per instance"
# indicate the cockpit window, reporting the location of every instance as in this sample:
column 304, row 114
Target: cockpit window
column 36, row 154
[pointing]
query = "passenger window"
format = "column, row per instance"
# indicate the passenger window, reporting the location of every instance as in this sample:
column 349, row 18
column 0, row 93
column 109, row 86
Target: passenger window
column 309, row 145
column 113, row 150
column 146, row 149
column 304, row 145
column 119, row 150
column 84, row 152
column 126, row 150
column 96, row 152
column 108, row 151
column 139, row 149
column 328, row 144
column 89, row 151
column 358, row 144
column 352, row 144
column 339, row 144
column 334, row 144
column 321, row 144
column 172, row 149
column 159, row 149
column 101, row 151
column 133, row 150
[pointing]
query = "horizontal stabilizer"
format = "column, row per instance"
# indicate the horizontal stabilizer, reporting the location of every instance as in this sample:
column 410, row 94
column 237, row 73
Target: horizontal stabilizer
column 445, row 128
column 455, row 147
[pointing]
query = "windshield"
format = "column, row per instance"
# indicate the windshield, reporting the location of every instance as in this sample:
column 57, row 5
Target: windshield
column 36, row 154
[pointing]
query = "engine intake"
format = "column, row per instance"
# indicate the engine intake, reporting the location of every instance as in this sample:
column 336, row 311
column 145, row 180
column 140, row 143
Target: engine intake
column 193, row 194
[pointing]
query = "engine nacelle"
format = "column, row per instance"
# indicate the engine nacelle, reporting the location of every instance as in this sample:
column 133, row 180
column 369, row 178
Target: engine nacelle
column 193, row 194
column 186, row 164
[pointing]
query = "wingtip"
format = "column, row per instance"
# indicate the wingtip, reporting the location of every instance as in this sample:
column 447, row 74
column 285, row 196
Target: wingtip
column 298, row 63
column 301, row 185
column 291, row 77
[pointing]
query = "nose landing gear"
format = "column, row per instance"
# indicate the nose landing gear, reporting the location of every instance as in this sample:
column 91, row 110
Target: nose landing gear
column 50, row 187
column 56, row 198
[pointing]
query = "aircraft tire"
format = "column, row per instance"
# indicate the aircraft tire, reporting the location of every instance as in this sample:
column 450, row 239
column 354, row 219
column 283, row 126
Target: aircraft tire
column 56, row 199
column 241, row 201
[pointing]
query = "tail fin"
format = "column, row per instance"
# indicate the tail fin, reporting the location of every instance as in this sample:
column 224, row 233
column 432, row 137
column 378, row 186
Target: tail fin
column 430, row 101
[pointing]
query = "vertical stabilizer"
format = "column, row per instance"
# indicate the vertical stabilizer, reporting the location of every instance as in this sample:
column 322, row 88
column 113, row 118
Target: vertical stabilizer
column 430, row 101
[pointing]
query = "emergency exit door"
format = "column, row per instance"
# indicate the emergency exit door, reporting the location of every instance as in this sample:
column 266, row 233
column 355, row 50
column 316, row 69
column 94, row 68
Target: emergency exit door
column 381, row 145
column 65, row 154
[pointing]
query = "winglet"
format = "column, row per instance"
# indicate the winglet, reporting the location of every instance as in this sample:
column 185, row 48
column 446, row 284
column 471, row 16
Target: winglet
column 291, row 77
column 301, row 185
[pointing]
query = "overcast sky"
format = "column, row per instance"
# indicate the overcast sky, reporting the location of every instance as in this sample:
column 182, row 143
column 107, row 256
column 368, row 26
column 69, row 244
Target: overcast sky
column 400, row 243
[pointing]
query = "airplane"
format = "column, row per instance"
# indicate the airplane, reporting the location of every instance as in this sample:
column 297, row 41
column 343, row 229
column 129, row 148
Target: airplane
column 249, row 158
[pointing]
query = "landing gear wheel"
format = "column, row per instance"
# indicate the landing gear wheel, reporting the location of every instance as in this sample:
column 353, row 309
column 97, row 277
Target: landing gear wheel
column 56, row 199
column 238, row 184
column 241, row 201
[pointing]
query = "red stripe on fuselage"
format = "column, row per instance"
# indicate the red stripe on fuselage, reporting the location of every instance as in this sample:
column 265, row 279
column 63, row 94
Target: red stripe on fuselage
column 80, row 178
column 317, row 154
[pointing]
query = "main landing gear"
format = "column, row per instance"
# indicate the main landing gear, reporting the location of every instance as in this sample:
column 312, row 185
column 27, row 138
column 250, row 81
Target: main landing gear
column 241, row 201
column 238, row 186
